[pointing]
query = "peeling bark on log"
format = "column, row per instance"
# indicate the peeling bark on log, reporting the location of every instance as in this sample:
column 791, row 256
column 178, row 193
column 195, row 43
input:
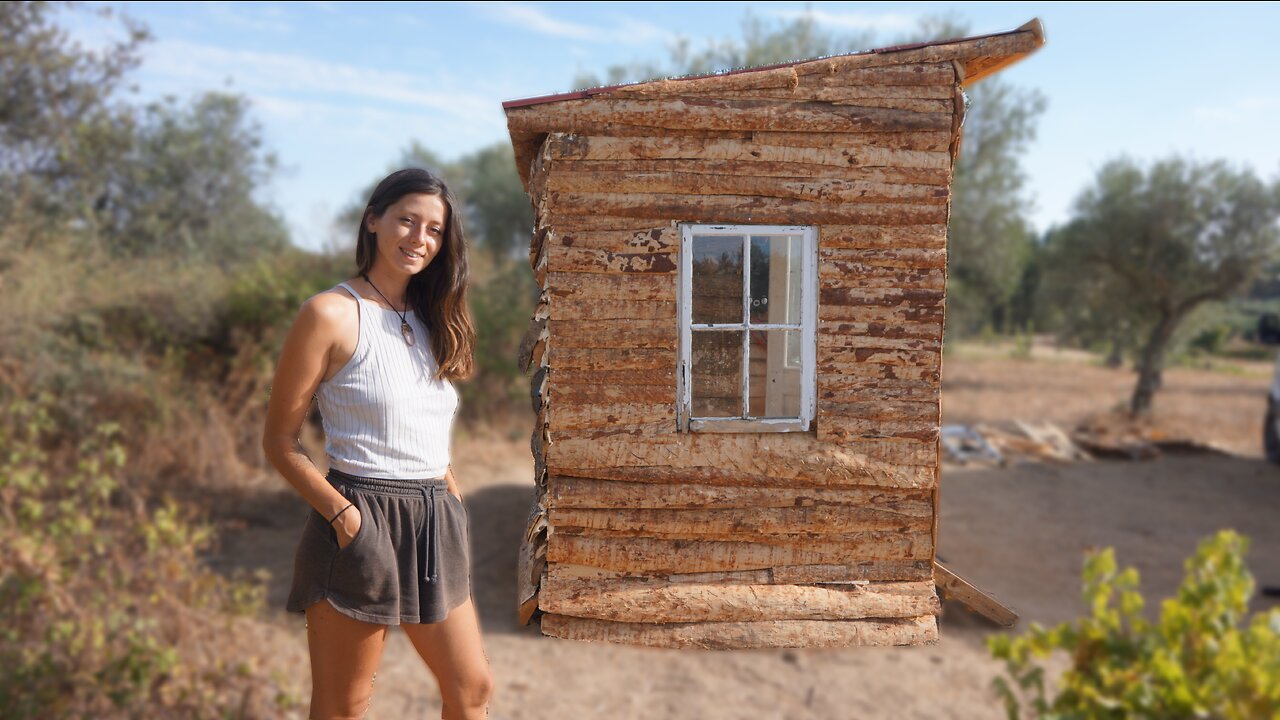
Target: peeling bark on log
column 834, row 426
column 647, row 554
column 795, row 457
column 665, row 377
column 878, row 315
column 648, row 601
column 883, row 409
column 876, row 371
column 613, row 359
column 714, row 114
column 858, row 152
column 912, row 258
column 588, row 260
column 851, row 276
column 735, row 635
column 833, row 353
column 609, row 223
column 627, row 333
column 749, row 209
column 905, row 329
column 934, row 141
column 601, row 393
column 763, row 168
column 850, row 391
column 653, row 240
column 858, row 572
column 589, row 309
column 799, row 188
column 741, row 522
column 838, row 71
column 612, row 287
column 857, row 237
column 575, row 492
column 608, row 415
column 911, row 297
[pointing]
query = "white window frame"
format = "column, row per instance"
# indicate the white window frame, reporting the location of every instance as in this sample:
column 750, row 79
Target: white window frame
column 808, row 334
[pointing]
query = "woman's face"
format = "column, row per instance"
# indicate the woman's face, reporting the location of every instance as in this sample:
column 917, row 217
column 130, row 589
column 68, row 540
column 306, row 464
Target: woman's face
column 410, row 232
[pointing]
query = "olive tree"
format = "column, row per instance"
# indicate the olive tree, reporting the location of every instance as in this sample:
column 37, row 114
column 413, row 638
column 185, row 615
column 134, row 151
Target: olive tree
column 1146, row 247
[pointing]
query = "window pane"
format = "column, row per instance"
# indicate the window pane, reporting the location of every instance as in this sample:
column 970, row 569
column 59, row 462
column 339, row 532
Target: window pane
column 716, row 373
column 776, row 267
column 717, row 279
column 775, row 385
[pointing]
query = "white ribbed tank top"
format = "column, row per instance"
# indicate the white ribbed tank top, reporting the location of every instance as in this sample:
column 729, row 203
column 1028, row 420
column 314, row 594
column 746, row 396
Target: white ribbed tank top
column 385, row 414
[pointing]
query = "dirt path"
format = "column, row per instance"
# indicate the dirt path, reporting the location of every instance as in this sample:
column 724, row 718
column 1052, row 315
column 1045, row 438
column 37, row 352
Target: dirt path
column 1018, row 533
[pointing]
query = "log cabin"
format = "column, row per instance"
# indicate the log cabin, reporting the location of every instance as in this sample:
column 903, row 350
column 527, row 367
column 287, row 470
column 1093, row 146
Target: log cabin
column 737, row 349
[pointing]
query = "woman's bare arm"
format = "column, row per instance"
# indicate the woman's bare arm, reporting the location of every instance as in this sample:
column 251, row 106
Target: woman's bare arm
column 304, row 360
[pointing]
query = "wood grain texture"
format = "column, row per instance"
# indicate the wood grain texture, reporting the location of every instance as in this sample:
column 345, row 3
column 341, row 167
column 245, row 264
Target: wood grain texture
column 741, row 635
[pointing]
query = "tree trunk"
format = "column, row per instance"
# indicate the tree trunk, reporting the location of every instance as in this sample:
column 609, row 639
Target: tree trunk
column 1151, row 364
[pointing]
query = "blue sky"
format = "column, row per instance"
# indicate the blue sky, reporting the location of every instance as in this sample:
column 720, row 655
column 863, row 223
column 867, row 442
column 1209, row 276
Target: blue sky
column 340, row 89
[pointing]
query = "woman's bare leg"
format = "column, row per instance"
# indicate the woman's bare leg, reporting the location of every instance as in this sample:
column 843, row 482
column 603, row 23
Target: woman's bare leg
column 345, row 654
column 454, row 652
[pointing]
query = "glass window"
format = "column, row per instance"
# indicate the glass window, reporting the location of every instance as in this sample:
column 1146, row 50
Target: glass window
column 748, row 306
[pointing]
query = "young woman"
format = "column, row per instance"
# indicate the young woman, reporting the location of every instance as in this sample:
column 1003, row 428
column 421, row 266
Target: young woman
column 386, row 542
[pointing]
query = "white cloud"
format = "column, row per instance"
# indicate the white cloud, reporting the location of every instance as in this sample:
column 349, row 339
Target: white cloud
column 266, row 76
column 626, row 30
column 260, row 18
column 878, row 23
column 1249, row 109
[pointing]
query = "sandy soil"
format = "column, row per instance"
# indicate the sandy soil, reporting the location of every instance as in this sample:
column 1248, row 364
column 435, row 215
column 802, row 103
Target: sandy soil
column 1017, row 532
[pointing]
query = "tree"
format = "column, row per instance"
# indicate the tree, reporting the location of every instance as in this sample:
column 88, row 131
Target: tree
column 81, row 167
column 990, row 240
column 1146, row 248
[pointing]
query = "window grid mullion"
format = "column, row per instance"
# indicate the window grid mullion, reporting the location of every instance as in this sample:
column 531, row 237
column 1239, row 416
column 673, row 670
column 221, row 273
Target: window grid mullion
column 743, row 405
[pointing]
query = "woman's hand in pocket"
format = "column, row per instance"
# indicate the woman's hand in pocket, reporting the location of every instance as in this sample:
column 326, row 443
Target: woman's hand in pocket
column 347, row 526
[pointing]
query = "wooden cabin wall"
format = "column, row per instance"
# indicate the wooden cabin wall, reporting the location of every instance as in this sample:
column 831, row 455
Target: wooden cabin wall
column 743, row 540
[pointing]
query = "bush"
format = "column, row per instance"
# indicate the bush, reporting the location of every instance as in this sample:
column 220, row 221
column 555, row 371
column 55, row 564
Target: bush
column 1199, row 660
column 106, row 610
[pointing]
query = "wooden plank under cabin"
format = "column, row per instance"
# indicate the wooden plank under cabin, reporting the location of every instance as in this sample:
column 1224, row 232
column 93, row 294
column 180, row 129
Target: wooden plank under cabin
column 766, row 634
column 955, row 587
column 654, row 601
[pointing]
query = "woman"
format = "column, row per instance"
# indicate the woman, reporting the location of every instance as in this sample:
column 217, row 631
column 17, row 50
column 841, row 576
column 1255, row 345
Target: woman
column 386, row 541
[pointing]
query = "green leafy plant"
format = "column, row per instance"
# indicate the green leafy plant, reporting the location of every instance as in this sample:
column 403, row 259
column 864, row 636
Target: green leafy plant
column 1200, row 659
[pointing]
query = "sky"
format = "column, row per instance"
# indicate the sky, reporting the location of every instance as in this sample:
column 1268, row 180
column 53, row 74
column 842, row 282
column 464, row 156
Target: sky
column 341, row 89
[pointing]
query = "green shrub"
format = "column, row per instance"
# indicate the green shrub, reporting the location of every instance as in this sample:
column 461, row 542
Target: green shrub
column 1200, row 659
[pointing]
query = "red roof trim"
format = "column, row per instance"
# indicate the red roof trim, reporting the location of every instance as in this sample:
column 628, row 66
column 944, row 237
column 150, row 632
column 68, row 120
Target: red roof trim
column 584, row 94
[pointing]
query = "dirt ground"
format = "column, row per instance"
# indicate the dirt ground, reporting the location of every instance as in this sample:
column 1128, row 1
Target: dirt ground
column 1017, row 532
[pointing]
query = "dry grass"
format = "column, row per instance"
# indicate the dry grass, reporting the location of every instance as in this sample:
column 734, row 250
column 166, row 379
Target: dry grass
column 1224, row 405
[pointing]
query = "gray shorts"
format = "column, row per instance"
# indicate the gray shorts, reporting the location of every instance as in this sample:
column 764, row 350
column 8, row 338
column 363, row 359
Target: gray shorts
column 410, row 561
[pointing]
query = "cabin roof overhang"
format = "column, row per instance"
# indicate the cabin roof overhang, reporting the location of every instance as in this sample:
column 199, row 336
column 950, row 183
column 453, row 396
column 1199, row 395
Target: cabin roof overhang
column 529, row 120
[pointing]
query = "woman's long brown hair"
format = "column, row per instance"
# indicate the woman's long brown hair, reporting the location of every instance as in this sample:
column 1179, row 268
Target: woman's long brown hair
column 437, row 294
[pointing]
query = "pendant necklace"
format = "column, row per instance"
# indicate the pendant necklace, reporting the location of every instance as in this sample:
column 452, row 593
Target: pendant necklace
column 405, row 331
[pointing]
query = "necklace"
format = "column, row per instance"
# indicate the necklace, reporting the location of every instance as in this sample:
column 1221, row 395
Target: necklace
column 405, row 331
